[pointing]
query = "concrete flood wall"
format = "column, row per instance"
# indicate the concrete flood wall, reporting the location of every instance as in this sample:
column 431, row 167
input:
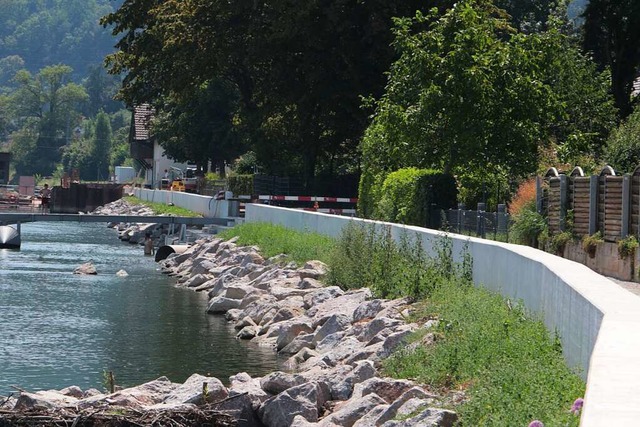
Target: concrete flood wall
column 598, row 322
column 205, row 205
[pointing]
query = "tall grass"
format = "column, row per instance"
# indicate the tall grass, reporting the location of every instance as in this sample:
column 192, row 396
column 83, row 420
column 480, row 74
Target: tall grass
column 274, row 240
column 161, row 208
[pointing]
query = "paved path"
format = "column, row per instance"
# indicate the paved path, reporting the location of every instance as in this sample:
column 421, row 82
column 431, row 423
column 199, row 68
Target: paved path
column 632, row 287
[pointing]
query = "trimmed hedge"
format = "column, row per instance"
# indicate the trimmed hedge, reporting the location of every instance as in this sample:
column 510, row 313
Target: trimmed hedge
column 409, row 195
column 240, row 184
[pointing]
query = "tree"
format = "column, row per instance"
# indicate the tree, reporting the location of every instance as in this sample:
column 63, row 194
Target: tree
column 612, row 37
column 47, row 105
column 472, row 96
column 623, row 145
column 101, row 146
column 299, row 69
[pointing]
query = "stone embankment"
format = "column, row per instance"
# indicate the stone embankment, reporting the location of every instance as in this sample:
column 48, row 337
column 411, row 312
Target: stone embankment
column 334, row 342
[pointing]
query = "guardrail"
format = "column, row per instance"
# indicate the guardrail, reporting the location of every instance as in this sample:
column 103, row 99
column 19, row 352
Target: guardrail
column 598, row 322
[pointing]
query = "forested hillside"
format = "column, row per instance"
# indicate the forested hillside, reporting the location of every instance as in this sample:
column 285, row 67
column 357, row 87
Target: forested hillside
column 35, row 34
column 57, row 107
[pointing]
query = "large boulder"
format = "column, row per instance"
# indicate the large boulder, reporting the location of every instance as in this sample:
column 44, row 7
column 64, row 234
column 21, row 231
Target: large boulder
column 305, row 400
column 191, row 391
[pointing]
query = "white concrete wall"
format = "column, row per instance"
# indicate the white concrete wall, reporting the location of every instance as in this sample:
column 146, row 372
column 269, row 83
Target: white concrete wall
column 205, row 205
column 598, row 322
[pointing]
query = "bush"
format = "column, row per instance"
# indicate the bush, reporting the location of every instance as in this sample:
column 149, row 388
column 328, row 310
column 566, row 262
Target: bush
column 240, row 184
column 627, row 246
column 524, row 197
column 409, row 195
column 559, row 242
column 528, row 225
column 590, row 243
column 623, row 145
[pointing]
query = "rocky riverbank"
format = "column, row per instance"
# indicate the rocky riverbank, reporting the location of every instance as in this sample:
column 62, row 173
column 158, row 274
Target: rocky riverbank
column 334, row 341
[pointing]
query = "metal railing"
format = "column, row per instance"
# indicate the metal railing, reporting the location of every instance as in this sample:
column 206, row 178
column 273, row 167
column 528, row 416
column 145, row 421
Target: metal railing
column 478, row 223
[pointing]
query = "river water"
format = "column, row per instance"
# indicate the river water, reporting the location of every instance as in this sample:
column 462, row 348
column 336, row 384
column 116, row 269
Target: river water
column 59, row 329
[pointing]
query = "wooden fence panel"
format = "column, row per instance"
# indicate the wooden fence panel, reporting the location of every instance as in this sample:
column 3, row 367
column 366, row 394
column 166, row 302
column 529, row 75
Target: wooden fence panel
column 553, row 205
column 612, row 208
column 579, row 202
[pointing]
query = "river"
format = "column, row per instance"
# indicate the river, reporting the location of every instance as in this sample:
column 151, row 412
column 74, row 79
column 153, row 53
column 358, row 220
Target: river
column 59, row 329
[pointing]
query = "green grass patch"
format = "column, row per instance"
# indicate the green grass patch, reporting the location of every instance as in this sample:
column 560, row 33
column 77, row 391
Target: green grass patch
column 512, row 370
column 161, row 208
column 274, row 240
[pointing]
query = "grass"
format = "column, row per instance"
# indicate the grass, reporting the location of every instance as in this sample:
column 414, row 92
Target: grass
column 161, row 208
column 274, row 240
column 511, row 368
column 509, row 365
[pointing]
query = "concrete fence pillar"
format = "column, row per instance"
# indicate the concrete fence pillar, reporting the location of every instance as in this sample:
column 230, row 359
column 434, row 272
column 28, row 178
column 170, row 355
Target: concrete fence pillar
column 593, row 204
column 538, row 194
column 460, row 217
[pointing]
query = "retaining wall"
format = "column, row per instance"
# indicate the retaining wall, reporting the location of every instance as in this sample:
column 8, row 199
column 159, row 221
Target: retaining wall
column 598, row 322
column 207, row 206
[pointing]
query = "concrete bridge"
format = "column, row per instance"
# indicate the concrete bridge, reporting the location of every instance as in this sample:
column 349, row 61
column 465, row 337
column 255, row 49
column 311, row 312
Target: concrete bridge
column 22, row 217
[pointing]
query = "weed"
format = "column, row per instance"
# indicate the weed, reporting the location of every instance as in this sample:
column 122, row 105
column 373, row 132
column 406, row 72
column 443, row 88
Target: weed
column 590, row 243
column 161, row 208
column 627, row 246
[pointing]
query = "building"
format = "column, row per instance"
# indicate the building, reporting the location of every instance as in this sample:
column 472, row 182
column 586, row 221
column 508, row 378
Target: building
column 146, row 151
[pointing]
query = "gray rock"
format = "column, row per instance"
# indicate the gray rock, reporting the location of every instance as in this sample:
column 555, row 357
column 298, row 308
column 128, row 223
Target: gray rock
column 222, row 305
column 430, row 417
column 248, row 332
column 290, row 329
column 196, row 280
column 321, row 295
column 363, row 370
column 243, row 383
column 86, row 269
column 299, row 342
column 46, row 400
column 191, row 391
column 335, row 323
column 277, row 382
column 387, row 388
column 305, row 400
column 368, row 310
column 352, row 410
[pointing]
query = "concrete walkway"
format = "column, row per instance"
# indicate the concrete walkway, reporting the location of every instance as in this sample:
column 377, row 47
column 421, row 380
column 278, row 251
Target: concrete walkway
column 632, row 287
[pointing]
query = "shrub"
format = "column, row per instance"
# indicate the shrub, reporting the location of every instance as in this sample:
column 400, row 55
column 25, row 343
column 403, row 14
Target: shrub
column 627, row 246
column 590, row 243
column 623, row 145
column 240, row 184
column 559, row 242
column 525, row 196
column 528, row 226
column 409, row 195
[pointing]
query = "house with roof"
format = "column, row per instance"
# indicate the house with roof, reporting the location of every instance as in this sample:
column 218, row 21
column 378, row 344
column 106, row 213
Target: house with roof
column 149, row 156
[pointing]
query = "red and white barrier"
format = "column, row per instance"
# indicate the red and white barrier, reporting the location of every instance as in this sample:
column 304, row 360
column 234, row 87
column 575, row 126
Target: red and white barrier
column 309, row 199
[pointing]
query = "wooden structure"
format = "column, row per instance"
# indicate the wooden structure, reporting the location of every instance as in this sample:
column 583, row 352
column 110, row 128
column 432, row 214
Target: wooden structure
column 607, row 202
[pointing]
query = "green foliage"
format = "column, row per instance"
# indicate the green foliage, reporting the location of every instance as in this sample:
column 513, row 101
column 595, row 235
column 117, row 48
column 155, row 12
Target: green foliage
column 611, row 33
column 245, row 164
column 559, row 241
column 623, row 145
column 590, row 243
column 512, row 370
column 275, row 240
column 368, row 256
column 407, row 196
column 528, row 225
column 627, row 246
column 161, row 208
column 240, row 185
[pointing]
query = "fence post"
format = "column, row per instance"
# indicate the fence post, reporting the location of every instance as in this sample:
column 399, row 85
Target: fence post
column 480, row 219
column 563, row 202
column 593, row 204
column 461, row 208
column 502, row 218
column 538, row 194
column 626, row 205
